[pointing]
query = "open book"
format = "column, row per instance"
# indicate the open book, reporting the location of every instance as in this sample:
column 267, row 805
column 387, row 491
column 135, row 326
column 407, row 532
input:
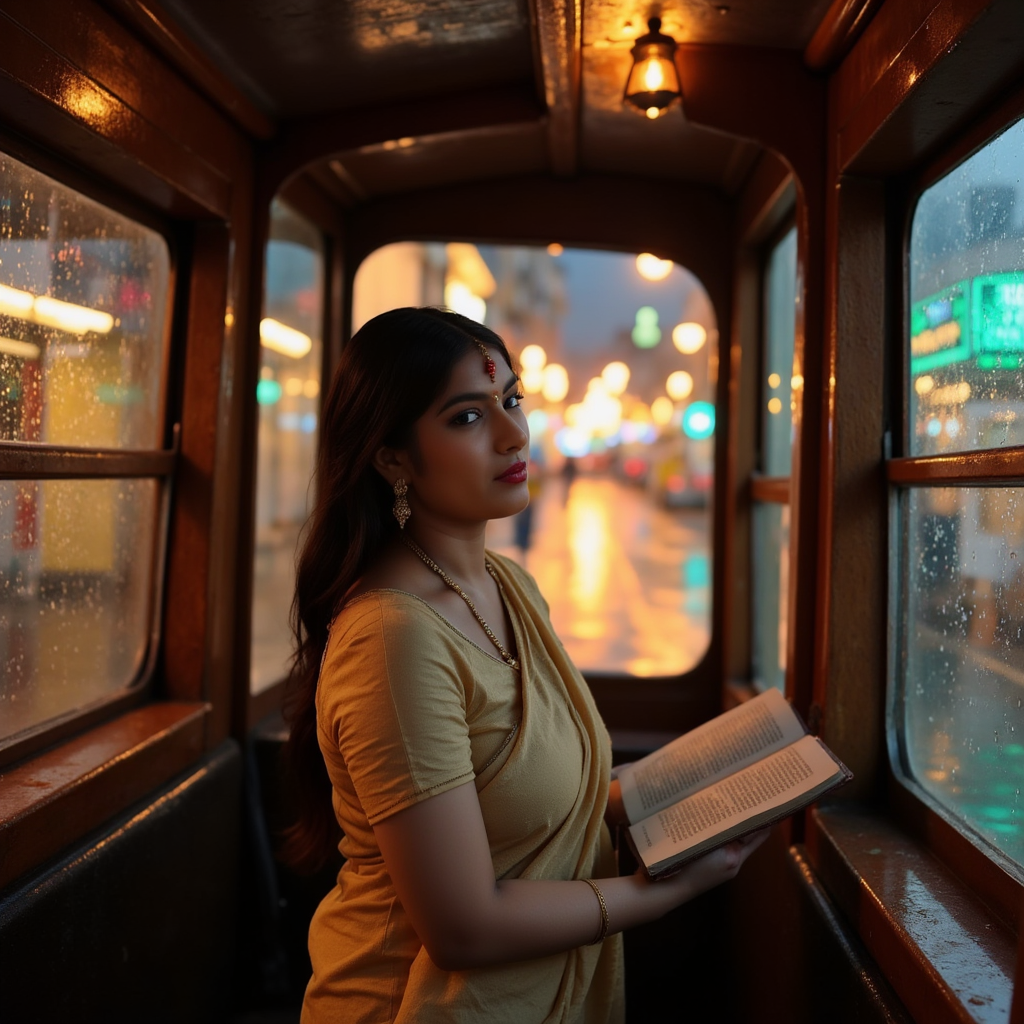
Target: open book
column 749, row 767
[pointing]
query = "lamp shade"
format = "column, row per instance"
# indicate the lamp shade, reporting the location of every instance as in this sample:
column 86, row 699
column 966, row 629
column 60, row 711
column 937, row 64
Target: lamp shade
column 653, row 82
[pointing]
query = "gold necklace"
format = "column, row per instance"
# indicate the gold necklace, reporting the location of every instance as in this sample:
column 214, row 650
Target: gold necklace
column 431, row 564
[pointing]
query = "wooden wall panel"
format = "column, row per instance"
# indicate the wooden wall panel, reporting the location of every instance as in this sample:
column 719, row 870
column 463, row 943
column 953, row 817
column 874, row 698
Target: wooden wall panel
column 770, row 97
column 852, row 625
column 919, row 73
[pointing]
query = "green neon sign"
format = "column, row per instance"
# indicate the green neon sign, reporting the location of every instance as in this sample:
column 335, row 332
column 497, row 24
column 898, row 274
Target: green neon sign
column 997, row 306
column 940, row 329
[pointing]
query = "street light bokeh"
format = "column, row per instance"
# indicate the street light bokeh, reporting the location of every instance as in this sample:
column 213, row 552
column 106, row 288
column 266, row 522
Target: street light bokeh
column 616, row 376
column 689, row 337
column 679, row 385
column 650, row 268
column 533, row 357
column 662, row 410
column 556, row 382
column 533, row 381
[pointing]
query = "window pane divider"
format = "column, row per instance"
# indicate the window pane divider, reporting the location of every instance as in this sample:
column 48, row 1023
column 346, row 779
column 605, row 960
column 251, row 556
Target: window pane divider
column 57, row 462
column 993, row 467
column 771, row 489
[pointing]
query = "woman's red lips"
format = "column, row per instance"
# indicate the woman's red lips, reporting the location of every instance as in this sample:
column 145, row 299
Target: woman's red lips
column 515, row 474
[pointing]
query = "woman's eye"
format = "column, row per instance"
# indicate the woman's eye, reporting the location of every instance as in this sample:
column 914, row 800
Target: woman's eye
column 465, row 417
column 514, row 401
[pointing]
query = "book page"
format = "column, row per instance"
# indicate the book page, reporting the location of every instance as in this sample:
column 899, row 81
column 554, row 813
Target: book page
column 759, row 791
column 712, row 751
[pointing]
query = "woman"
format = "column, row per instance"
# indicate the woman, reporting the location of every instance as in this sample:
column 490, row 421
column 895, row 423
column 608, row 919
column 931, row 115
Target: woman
column 465, row 760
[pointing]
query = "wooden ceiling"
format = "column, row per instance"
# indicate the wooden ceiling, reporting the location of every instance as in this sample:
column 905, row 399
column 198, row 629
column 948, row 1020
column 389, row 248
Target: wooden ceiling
column 310, row 62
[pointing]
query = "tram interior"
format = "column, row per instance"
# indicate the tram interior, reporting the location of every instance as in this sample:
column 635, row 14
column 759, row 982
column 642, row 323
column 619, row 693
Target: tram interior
column 835, row 191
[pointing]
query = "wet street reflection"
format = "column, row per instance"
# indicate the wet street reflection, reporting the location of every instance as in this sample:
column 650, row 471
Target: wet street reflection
column 628, row 582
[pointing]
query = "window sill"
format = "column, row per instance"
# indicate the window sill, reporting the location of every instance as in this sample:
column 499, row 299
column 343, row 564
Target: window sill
column 55, row 798
column 948, row 957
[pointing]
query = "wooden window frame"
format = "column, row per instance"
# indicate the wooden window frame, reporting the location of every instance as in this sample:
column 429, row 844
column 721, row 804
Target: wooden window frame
column 953, row 842
column 39, row 462
column 766, row 490
column 898, row 859
column 172, row 158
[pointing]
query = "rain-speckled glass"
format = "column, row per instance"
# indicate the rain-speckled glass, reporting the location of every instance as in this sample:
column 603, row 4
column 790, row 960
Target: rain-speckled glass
column 966, row 316
column 76, row 592
column 960, row 708
column 771, row 594
column 288, row 399
column 770, row 522
column 776, row 384
column 84, row 295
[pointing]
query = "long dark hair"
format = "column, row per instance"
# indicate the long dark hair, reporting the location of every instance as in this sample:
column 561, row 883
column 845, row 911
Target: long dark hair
column 394, row 367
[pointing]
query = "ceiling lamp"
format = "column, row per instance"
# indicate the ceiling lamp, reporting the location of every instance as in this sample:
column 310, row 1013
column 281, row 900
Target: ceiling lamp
column 653, row 82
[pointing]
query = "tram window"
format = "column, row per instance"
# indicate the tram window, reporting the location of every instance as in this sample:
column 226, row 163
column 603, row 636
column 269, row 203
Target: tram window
column 780, row 300
column 771, row 508
column 957, row 704
column 84, row 313
column 618, row 357
column 288, row 399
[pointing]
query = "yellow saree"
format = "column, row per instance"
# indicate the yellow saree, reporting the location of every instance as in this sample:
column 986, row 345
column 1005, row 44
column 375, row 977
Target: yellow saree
column 408, row 707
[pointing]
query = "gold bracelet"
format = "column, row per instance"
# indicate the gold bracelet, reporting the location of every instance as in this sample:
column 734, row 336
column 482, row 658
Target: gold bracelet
column 603, row 934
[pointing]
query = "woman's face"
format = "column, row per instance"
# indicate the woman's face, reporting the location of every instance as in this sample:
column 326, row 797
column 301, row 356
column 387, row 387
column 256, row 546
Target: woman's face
column 468, row 459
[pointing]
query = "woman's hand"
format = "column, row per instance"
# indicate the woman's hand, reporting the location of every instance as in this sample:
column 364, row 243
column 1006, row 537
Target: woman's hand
column 713, row 868
column 437, row 855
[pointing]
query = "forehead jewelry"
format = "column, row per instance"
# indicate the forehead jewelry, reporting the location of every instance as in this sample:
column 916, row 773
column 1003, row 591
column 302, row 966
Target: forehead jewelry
column 489, row 368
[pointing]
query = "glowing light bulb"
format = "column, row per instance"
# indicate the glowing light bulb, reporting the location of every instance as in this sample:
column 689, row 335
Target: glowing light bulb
column 654, row 77
column 653, row 113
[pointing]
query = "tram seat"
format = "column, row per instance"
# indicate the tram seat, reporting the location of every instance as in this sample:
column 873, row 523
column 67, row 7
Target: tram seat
column 137, row 922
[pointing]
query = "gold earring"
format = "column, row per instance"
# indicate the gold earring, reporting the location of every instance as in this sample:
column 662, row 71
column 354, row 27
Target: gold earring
column 400, row 510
